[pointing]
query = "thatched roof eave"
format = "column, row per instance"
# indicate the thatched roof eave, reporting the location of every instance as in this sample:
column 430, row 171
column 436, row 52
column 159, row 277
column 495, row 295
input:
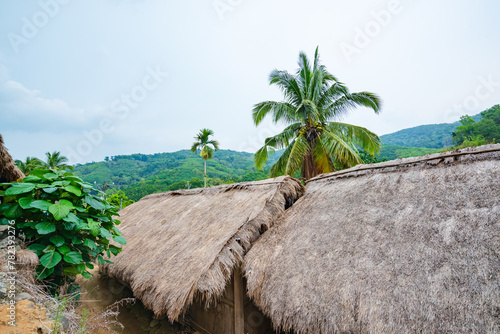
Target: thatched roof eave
column 8, row 169
column 405, row 246
column 186, row 244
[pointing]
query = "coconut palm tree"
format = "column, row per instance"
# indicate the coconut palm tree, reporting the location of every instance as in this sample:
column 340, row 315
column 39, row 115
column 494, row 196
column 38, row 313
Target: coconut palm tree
column 56, row 160
column 206, row 147
column 30, row 164
column 315, row 141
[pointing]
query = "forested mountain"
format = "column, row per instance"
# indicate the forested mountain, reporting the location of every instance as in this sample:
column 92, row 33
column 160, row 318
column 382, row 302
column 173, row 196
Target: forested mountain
column 430, row 135
column 140, row 174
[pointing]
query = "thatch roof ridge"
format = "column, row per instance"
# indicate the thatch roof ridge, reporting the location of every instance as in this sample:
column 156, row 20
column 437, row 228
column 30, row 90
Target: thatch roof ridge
column 218, row 188
column 185, row 244
column 8, row 169
column 410, row 247
column 481, row 152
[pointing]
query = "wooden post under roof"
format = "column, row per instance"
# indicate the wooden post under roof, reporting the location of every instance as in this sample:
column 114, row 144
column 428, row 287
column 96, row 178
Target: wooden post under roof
column 239, row 296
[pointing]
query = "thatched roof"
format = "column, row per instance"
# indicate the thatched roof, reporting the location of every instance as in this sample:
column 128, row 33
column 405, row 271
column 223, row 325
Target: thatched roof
column 186, row 243
column 405, row 246
column 8, row 169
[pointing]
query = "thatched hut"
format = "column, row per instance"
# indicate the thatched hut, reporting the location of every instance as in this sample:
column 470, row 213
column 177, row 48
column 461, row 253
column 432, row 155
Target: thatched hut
column 8, row 169
column 184, row 246
column 405, row 246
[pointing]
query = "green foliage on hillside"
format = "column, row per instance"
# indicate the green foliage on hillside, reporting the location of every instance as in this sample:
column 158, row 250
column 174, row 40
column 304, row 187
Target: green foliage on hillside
column 472, row 133
column 431, row 135
column 140, row 174
column 391, row 152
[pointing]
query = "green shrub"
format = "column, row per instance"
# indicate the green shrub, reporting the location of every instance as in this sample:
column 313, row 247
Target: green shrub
column 64, row 220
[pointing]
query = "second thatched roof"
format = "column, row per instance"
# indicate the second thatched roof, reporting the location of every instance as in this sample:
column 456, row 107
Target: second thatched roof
column 405, row 246
column 186, row 243
column 8, row 169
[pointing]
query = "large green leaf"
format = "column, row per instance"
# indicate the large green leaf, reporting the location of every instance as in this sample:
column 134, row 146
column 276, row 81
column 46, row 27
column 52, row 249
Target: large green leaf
column 70, row 271
column 19, row 188
column 105, row 233
column 119, row 239
column 57, row 240
column 31, row 178
column 45, row 227
column 61, row 209
column 73, row 257
column 94, row 203
column 25, row 202
column 40, row 204
column 50, row 176
column 74, row 190
column 4, row 221
column 38, row 248
column 95, row 228
column 50, row 190
column 63, row 250
column 43, row 272
column 72, row 218
column 89, row 243
column 50, row 260
column 39, row 172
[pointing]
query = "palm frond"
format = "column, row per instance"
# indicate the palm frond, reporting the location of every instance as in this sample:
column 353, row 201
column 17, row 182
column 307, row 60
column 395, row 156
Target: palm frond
column 322, row 159
column 280, row 111
column 300, row 148
column 351, row 101
column 279, row 141
column 341, row 150
column 288, row 84
column 357, row 135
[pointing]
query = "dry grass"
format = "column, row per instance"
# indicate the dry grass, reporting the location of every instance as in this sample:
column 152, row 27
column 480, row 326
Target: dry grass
column 407, row 246
column 65, row 306
column 187, row 243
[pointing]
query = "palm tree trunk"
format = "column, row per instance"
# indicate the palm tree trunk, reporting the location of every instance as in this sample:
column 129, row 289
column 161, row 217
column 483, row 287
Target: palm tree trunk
column 205, row 174
column 309, row 169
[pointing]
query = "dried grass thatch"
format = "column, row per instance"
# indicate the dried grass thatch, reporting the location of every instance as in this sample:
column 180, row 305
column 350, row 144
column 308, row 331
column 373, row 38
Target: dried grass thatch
column 405, row 246
column 8, row 169
column 186, row 243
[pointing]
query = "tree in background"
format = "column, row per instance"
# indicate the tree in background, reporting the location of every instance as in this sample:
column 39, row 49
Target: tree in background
column 56, row 160
column 472, row 133
column 206, row 146
column 119, row 199
column 314, row 141
column 29, row 164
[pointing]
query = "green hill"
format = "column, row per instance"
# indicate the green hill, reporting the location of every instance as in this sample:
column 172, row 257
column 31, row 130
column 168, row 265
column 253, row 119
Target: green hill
column 430, row 135
column 141, row 174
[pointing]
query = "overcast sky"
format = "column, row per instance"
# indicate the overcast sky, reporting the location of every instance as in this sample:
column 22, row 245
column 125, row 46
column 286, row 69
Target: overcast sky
column 98, row 78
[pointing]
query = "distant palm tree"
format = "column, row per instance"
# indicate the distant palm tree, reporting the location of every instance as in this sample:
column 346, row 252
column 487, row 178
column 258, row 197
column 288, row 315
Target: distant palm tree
column 314, row 140
column 30, row 164
column 206, row 147
column 57, row 161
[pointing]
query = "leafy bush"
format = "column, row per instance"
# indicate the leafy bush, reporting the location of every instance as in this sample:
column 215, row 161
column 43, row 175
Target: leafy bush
column 64, row 220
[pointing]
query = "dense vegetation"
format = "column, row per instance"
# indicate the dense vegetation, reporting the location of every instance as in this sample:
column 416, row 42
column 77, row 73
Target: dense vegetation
column 140, row 174
column 430, row 136
column 64, row 220
column 472, row 133
column 391, row 152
